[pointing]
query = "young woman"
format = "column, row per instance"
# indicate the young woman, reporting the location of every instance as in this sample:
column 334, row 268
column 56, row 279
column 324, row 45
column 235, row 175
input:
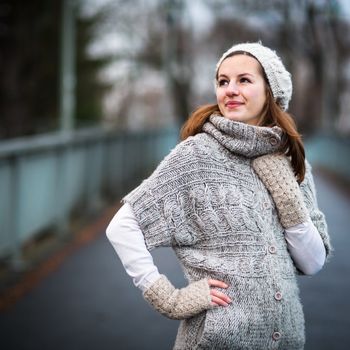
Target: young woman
column 236, row 201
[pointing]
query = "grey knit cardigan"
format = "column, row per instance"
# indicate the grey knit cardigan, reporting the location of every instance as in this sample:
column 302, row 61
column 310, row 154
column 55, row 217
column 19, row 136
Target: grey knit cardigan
column 206, row 202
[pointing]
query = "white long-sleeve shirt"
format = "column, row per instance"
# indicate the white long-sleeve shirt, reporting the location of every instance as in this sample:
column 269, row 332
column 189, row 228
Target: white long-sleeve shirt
column 304, row 244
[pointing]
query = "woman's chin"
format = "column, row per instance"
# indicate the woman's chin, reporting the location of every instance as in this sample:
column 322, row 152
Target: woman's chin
column 241, row 119
column 234, row 117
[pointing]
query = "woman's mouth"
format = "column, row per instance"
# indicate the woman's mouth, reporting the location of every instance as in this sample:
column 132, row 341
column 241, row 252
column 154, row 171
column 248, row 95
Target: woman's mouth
column 233, row 104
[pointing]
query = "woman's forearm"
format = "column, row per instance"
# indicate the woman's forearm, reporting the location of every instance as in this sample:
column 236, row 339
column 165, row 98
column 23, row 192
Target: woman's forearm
column 306, row 247
column 128, row 241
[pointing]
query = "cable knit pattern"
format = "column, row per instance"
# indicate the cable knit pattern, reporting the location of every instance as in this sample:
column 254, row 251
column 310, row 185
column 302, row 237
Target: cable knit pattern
column 206, row 201
column 275, row 171
column 181, row 303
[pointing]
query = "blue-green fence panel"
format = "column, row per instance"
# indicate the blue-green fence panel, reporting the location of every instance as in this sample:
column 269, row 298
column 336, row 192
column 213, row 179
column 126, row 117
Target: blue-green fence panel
column 44, row 179
column 36, row 185
column 75, row 174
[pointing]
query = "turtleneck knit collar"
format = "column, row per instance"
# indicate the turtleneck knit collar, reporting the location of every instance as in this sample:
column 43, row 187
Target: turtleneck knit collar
column 244, row 139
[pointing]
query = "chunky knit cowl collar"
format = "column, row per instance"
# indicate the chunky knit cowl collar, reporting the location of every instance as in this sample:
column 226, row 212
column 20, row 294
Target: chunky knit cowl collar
column 244, row 139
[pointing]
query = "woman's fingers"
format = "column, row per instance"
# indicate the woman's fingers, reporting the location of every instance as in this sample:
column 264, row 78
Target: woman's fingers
column 215, row 301
column 218, row 298
column 217, row 283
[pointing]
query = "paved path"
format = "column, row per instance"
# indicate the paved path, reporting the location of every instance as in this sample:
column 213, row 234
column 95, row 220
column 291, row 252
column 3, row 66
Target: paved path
column 89, row 303
column 326, row 295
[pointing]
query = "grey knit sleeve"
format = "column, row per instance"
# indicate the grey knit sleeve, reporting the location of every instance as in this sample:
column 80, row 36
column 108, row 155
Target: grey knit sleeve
column 153, row 200
column 310, row 198
column 147, row 208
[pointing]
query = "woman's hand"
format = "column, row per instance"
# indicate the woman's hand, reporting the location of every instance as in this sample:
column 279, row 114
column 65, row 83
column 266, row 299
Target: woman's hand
column 186, row 302
column 218, row 298
column 181, row 303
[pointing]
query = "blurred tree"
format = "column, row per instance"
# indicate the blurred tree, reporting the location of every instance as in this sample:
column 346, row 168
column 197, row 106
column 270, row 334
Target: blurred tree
column 148, row 36
column 328, row 49
column 311, row 34
column 178, row 57
column 29, row 67
column 90, row 88
column 162, row 37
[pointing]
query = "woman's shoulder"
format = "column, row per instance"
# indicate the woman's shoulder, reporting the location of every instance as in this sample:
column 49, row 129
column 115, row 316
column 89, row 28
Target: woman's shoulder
column 196, row 140
column 193, row 146
column 308, row 168
column 183, row 152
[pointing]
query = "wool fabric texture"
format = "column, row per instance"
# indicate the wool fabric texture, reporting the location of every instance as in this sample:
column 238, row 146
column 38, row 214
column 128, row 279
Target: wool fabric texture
column 275, row 171
column 278, row 77
column 179, row 304
column 206, row 201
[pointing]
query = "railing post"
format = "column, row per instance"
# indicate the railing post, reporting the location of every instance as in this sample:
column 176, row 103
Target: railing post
column 62, row 216
column 67, row 79
column 17, row 262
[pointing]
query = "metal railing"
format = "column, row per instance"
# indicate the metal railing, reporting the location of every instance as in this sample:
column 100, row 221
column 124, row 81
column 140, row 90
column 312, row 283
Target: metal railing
column 45, row 179
column 331, row 152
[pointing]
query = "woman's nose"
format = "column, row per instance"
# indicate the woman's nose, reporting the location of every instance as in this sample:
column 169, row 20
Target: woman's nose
column 232, row 89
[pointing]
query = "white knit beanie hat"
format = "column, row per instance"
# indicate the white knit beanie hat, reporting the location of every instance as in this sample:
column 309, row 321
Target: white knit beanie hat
column 278, row 77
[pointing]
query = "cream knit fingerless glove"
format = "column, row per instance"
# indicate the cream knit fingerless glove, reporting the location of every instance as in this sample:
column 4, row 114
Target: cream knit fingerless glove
column 179, row 304
column 276, row 172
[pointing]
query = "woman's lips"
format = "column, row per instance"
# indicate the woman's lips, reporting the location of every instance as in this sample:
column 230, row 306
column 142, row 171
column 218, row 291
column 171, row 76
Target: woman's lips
column 233, row 104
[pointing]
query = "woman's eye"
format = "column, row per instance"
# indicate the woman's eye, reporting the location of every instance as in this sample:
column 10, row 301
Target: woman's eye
column 245, row 80
column 222, row 82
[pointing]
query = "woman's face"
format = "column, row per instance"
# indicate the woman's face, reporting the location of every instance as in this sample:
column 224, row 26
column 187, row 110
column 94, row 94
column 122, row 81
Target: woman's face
column 241, row 91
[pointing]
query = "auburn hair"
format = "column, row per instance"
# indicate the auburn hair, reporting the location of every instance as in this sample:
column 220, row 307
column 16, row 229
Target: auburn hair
column 272, row 115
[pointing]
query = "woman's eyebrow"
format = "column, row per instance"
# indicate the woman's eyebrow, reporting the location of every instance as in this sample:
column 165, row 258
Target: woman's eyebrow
column 222, row 76
column 243, row 74
column 239, row 75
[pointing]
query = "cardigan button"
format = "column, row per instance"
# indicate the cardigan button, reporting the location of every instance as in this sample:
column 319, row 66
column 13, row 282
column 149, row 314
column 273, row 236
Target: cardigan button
column 273, row 141
column 272, row 249
column 278, row 295
column 266, row 205
column 276, row 336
